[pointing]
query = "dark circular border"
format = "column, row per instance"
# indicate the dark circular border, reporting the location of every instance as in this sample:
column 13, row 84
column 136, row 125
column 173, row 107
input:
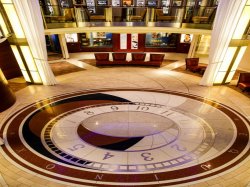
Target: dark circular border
column 11, row 126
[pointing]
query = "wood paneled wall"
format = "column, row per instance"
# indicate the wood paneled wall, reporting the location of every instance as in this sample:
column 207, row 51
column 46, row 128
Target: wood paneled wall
column 8, row 62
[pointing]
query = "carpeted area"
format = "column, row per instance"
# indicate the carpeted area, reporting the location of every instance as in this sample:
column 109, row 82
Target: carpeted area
column 56, row 56
column 89, row 61
column 61, row 68
column 58, row 68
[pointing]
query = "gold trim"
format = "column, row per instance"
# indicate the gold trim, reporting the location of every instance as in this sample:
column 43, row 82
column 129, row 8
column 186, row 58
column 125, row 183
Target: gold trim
column 127, row 29
column 238, row 43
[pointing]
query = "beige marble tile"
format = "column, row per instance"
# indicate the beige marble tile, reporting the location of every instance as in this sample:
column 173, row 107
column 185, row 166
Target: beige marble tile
column 216, row 185
column 232, row 182
column 215, row 181
column 26, row 175
column 131, row 77
column 11, row 181
column 203, row 184
column 244, row 178
column 25, row 181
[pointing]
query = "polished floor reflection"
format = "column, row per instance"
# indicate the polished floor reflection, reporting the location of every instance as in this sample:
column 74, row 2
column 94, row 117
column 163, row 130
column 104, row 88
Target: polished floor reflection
column 126, row 126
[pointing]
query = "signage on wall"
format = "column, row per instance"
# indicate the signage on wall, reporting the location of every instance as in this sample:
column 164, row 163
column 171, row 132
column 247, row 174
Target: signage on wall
column 91, row 6
column 126, row 2
column 186, row 38
column 165, row 2
column 123, row 41
column 134, row 41
column 140, row 2
column 90, row 3
column 71, row 37
column 115, row 2
column 102, row 2
column 152, row 3
column 165, row 10
column 100, row 35
column 177, row 3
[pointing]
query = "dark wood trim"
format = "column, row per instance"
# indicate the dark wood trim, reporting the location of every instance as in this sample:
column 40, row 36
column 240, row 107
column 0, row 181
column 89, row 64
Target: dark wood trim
column 7, row 96
column 8, row 62
column 155, row 49
column 96, row 49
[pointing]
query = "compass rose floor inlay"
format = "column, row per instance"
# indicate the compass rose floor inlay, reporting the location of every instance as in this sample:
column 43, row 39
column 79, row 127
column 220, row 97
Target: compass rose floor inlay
column 127, row 137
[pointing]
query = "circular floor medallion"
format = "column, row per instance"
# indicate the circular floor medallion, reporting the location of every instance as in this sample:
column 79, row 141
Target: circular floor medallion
column 127, row 137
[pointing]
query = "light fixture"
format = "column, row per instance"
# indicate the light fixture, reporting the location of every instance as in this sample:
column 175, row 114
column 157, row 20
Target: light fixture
column 3, row 26
column 20, row 63
column 13, row 18
column 31, row 64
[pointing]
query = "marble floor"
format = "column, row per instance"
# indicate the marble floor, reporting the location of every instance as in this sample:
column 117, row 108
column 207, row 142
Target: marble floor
column 126, row 126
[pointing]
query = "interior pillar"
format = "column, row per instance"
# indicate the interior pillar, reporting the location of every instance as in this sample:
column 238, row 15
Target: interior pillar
column 193, row 46
column 228, row 24
column 64, row 47
column 32, row 24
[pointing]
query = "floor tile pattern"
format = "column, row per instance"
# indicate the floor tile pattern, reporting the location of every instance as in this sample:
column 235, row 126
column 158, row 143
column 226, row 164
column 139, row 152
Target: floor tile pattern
column 163, row 138
column 114, row 78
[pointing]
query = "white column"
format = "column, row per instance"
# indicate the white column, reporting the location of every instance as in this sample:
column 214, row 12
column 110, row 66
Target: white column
column 227, row 16
column 193, row 46
column 64, row 47
column 31, row 20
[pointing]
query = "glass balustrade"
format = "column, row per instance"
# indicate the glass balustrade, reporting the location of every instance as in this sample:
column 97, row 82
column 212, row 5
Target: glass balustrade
column 128, row 15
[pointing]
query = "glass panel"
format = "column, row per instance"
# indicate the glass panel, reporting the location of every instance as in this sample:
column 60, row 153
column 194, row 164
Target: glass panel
column 239, row 57
column 228, row 58
column 219, row 78
column 26, row 76
column 14, row 20
column 36, row 77
column 18, row 57
column 3, row 26
column 28, row 58
column 242, row 23
column 230, row 76
column 6, row 1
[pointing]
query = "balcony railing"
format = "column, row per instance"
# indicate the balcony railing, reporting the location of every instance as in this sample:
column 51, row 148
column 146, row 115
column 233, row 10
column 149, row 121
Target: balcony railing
column 80, row 15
